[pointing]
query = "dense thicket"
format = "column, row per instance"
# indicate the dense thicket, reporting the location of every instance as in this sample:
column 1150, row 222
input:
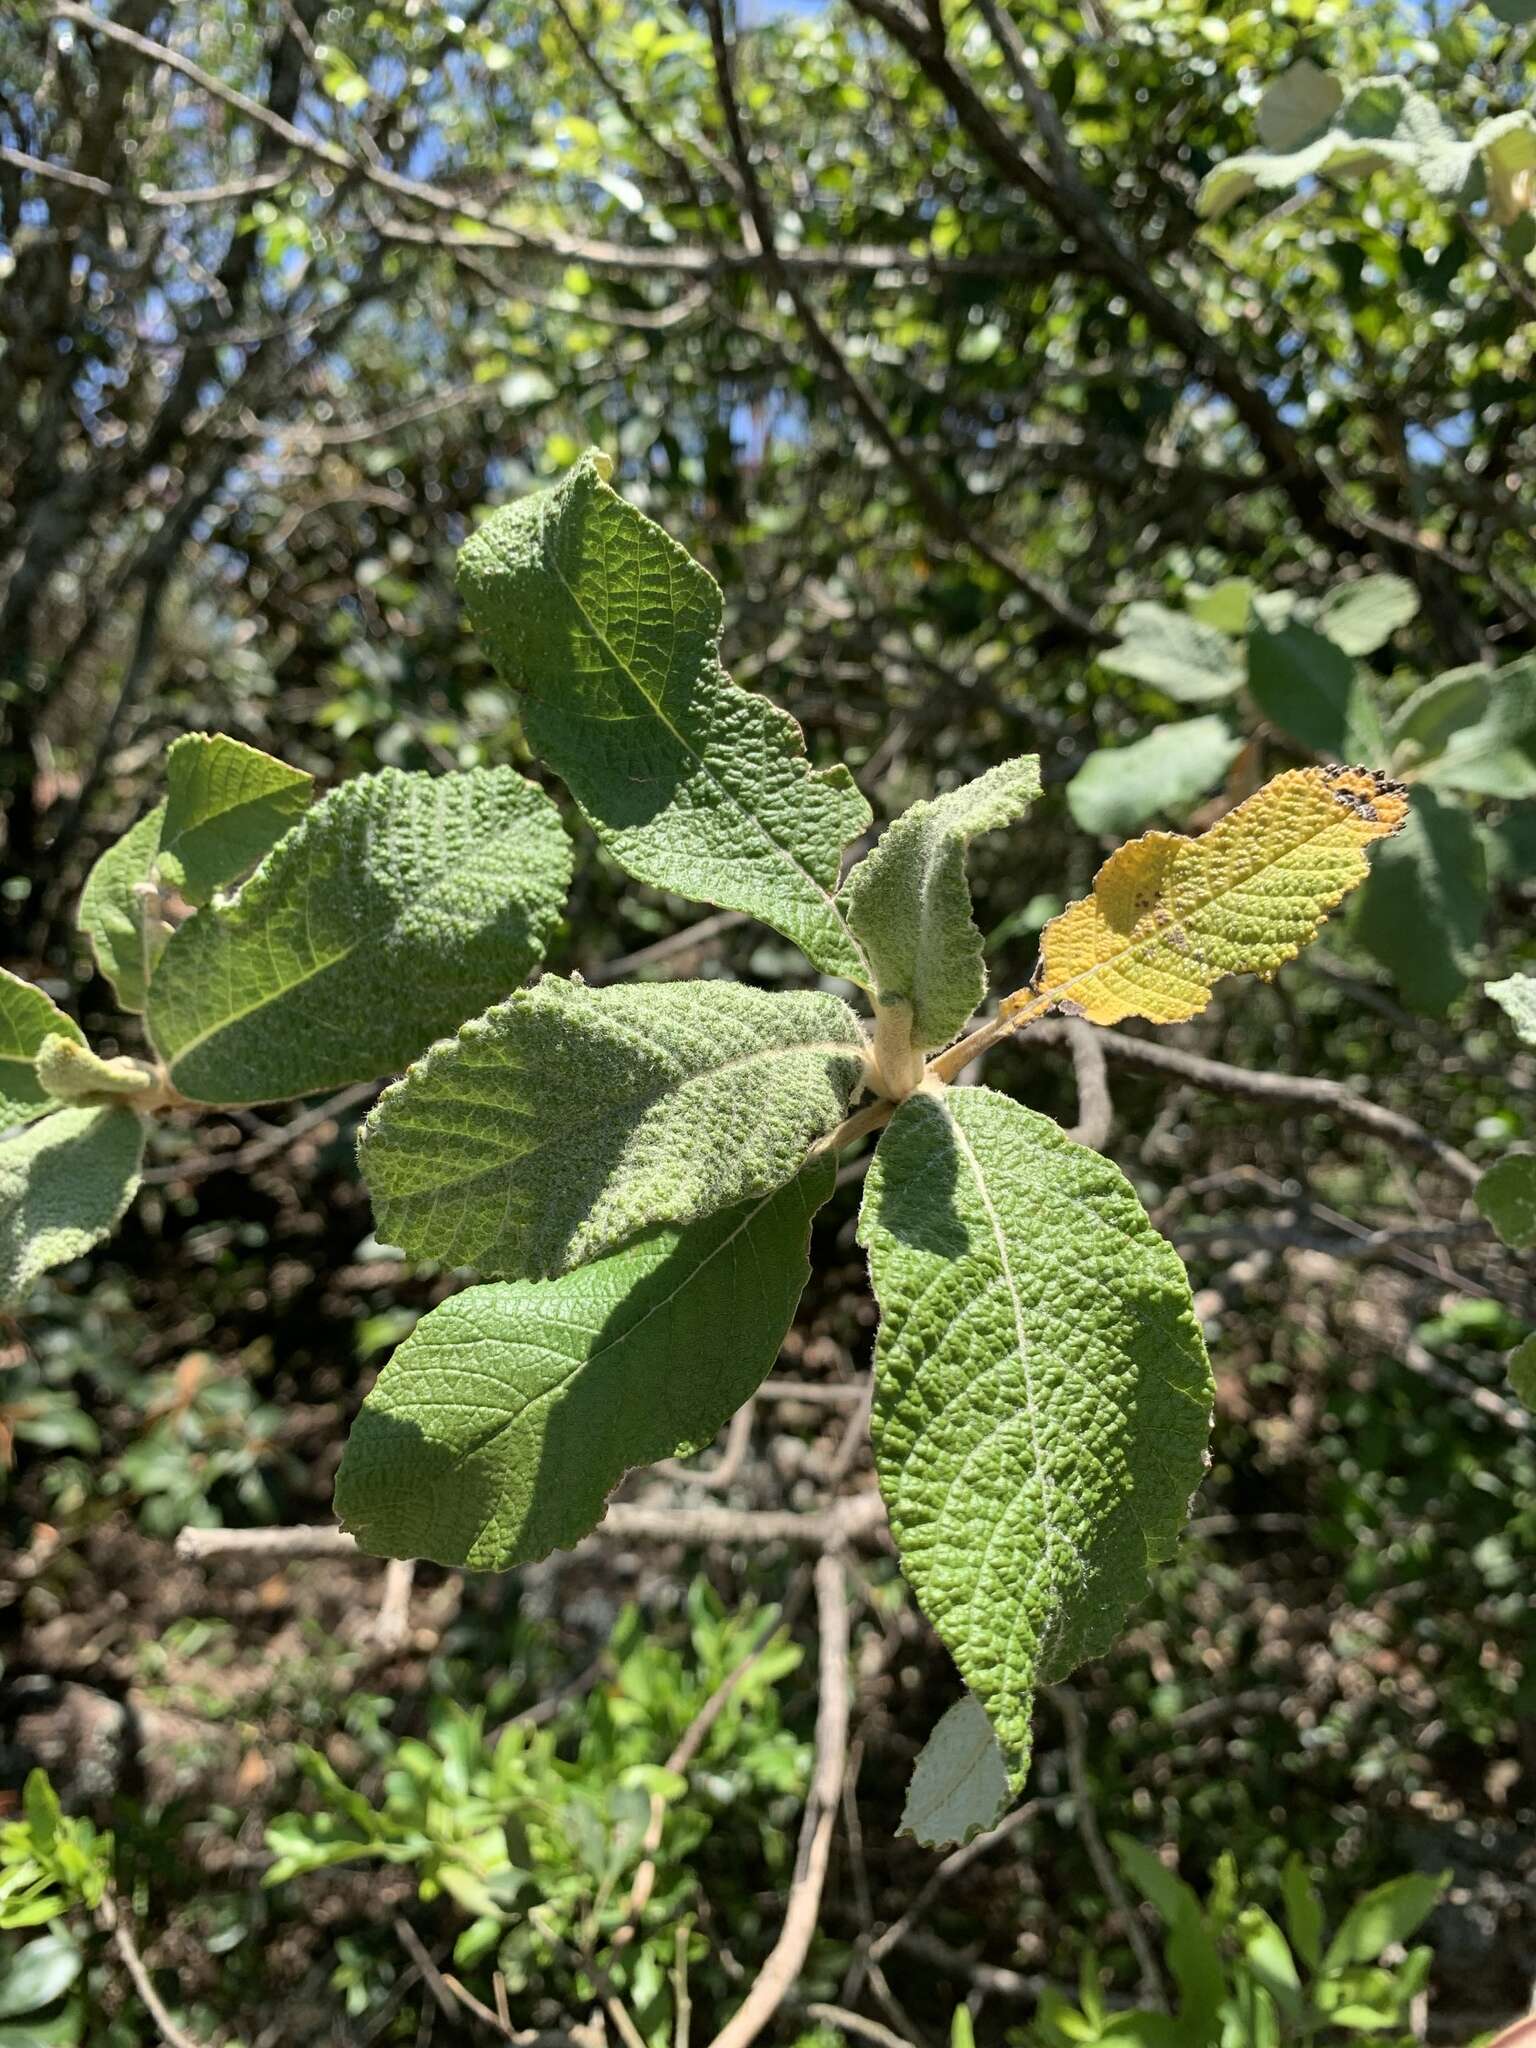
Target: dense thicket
column 906, row 317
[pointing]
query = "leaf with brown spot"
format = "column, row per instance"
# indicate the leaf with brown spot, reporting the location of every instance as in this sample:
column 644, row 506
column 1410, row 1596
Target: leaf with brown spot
column 1169, row 916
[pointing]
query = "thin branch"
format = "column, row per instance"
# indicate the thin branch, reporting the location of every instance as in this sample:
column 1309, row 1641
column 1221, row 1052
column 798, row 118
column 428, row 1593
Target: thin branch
column 659, row 950
column 1095, row 1110
column 201, row 1164
column 144, row 195
column 1075, row 1726
column 1295, row 1091
column 392, row 1623
column 687, row 1748
column 111, row 1916
column 1094, row 244
column 431, row 1975
column 855, row 2024
column 856, row 1519
column 777, row 1977
column 936, row 508
column 951, row 1866
column 489, row 233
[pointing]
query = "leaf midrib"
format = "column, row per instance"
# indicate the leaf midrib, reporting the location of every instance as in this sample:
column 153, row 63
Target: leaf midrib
column 828, row 896
column 1055, row 1535
column 639, row 1106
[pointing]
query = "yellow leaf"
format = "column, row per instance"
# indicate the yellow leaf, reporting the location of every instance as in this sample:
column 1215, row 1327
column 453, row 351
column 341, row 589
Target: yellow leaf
column 1169, row 916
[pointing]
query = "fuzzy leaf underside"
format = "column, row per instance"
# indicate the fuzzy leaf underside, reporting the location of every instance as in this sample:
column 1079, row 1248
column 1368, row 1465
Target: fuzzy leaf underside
column 64, row 1186
column 612, row 632
column 499, row 1428
column 112, row 912
column 1042, row 1393
column 1363, row 615
column 909, row 904
column 1516, row 997
column 1188, row 661
column 227, row 805
column 1118, row 789
column 1170, row 916
column 569, row 1119
column 71, row 1072
column 27, row 1018
column 399, row 905
column 959, row 1783
column 1379, row 124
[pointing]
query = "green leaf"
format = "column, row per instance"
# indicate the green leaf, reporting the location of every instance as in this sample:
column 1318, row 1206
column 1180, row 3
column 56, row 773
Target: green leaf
column 568, row 1119
column 499, row 1428
column 959, row 1782
column 1380, row 123
column 398, row 906
column 695, row 785
column 27, row 1018
column 1311, row 689
column 1494, row 752
column 227, row 804
column 1362, row 616
column 1436, row 710
column 1119, row 788
column 1303, row 1910
column 1422, row 911
column 1042, row 1394
column 1389, row 1914
column 1226, row 605
column 1506, row 1195
column 37, row 1973
column 71, row 1072
column 1194, row 1958
column 64, row 1186
column 117, row 914
column 909, row 905
column 1516, row 997
column 1515, row 12
column 1521, row 1367
column 1269, row 1959
column 1297, row 105
column 1175, row 654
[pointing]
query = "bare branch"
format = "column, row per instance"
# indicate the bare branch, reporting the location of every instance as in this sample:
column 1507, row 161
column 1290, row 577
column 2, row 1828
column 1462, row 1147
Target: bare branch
column 1095, row 1110
column 855, row 1519
column 776, row 1979
column 1075, row 1728
column 1295, row 1091
column 111, row 1916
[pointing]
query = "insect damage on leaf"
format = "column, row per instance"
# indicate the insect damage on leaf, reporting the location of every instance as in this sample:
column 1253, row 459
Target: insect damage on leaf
column 1169, row 916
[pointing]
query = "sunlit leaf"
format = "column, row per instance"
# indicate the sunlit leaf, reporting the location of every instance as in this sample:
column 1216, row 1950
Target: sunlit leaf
column 1170, row 916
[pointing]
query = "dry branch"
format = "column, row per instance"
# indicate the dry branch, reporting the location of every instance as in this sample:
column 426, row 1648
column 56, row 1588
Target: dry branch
column 777, row 1978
